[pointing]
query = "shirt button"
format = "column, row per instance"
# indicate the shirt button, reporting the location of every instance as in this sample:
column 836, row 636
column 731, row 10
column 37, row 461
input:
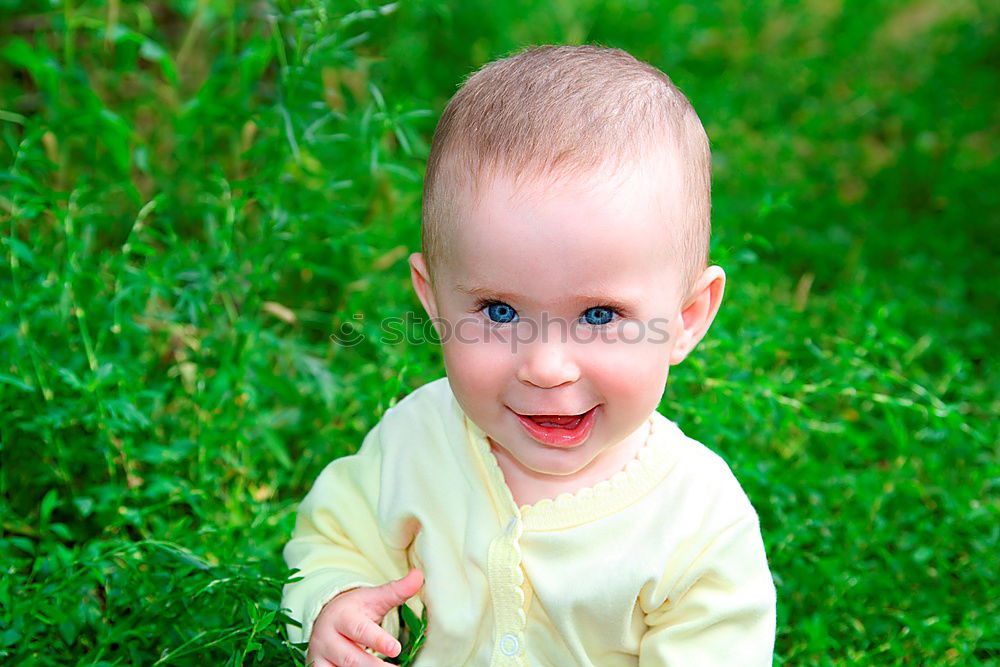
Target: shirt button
column 509, row 645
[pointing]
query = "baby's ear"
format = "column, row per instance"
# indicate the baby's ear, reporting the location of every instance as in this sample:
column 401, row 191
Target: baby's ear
column 698, row 312
column 421, row 279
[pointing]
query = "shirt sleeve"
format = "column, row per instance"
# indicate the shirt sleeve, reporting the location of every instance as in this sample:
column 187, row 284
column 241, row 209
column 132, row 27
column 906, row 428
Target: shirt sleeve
column 722, row 610
column 338, row 543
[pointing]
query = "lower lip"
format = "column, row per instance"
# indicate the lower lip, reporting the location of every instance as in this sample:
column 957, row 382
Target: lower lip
column 560, row 436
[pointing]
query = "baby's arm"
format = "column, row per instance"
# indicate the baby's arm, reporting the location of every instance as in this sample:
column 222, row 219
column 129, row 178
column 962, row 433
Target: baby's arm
column 724, row 609
column 339, row 545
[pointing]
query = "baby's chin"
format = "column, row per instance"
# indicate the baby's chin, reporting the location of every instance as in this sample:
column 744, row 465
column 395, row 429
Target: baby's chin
column 552, row 463
column 558, row 469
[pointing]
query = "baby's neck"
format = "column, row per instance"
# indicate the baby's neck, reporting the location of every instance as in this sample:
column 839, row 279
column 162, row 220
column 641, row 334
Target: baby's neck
column 528, row 488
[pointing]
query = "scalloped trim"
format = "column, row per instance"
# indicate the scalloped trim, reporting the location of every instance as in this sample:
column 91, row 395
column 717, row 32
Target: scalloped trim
column 476, row 438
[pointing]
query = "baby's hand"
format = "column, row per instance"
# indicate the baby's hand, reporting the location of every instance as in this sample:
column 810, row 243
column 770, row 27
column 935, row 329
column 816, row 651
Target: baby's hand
column 350, row 623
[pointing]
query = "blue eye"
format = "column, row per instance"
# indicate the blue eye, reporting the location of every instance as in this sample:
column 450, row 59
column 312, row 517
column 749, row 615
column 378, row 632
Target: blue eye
column 501, row 313
column 598, row 315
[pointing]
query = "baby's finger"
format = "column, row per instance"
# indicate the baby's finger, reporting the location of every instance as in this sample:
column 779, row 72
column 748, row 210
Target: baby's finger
column 352, row 655
column 396, row 592
column 342, row 652
column 368, row 634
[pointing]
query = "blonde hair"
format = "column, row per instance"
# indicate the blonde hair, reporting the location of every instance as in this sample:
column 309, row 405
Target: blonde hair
column 564, row 112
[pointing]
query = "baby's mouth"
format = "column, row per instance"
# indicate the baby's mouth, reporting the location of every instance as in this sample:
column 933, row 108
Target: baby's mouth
column 557, row 421
column 559, row 430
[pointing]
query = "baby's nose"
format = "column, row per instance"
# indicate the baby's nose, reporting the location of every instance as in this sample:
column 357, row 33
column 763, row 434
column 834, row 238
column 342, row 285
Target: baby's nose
column 547, row 362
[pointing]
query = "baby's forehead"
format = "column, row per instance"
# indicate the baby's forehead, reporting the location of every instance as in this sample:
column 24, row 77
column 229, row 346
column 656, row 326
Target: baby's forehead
column 597, row 219
column 650, row 194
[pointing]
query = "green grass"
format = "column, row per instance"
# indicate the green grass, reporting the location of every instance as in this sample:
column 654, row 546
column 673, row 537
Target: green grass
column 196, row 194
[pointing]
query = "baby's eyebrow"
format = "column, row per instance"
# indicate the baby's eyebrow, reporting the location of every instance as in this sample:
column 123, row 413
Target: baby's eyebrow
column 486, row 291
column 592, row 299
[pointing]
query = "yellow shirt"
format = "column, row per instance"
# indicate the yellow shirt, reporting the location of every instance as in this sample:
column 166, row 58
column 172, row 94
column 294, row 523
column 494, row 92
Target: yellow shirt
column 662, row 564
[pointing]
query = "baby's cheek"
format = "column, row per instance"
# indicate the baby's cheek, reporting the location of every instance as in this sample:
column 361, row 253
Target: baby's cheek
column 476, row 366
column 636, row 371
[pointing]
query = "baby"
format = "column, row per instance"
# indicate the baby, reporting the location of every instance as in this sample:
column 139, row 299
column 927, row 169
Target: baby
column 534, row 500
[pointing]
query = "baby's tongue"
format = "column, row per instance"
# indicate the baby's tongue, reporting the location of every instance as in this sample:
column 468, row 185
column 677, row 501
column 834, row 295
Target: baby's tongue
column 557, row 420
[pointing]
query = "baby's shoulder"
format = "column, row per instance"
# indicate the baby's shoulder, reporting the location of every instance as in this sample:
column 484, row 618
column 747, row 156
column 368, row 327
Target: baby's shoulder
column 699, row 477
column 424, row 420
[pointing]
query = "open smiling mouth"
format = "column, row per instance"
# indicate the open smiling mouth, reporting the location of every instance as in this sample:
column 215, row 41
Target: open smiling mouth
column 559, row 430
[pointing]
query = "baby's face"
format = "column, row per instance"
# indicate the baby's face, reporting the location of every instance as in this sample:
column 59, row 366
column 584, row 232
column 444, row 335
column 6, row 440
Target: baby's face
column 559, row 310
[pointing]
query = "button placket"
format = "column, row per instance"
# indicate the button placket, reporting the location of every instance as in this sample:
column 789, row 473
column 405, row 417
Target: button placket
column 506, row 581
